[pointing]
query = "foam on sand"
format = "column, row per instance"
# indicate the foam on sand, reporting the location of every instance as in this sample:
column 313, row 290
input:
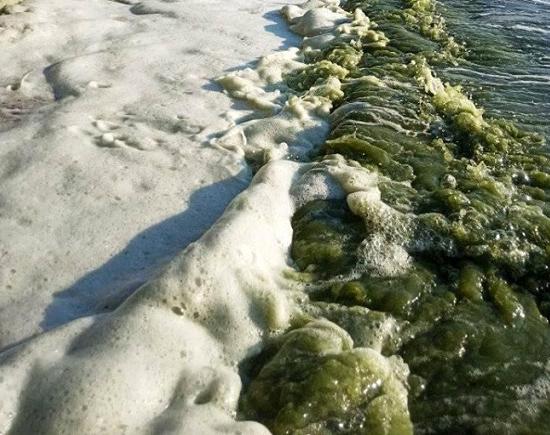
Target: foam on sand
column 166, row 359
column 104, row 110
column 109, row 162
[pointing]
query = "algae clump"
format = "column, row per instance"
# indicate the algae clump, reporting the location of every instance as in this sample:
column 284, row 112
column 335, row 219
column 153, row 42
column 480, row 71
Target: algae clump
column 312, row 381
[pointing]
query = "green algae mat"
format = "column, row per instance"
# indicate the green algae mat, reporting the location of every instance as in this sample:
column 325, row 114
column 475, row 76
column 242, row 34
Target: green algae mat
column 426, row 312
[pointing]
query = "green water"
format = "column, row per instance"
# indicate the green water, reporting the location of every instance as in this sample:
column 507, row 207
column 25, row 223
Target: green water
column 467, row 200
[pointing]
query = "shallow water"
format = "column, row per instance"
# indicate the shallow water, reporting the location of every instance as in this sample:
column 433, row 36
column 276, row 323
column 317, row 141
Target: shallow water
column 452, row 249
column 515, row 83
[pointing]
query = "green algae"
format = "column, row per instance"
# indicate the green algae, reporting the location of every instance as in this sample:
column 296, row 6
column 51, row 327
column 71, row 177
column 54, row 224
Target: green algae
column 476, row 344
column 324, row 237
column 347, row 56
column 464, row 215
column 312, row 381
column 315, row 74
column 413, row 26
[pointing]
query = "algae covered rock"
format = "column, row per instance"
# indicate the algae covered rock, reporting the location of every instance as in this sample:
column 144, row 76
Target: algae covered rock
column 312, row 381
column 325, row 237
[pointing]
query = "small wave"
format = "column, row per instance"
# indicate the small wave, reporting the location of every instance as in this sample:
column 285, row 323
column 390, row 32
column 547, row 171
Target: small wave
column 531, row 29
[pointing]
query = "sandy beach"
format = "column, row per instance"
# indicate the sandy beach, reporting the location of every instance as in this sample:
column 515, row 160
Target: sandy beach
column 105, row 110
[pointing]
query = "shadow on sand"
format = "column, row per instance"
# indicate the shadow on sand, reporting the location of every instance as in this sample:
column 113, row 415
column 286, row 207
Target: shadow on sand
column 105, row 288
column 279, row 27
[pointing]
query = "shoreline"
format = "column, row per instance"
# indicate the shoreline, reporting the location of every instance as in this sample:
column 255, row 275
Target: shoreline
column 380, row 273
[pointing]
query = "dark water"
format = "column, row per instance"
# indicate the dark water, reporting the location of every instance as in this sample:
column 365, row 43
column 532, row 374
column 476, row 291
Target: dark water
column 508, row 61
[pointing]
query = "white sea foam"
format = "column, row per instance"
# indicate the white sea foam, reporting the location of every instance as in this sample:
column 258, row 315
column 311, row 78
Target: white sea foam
column 104, row 111
column 171, row 350
column 531, row 29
